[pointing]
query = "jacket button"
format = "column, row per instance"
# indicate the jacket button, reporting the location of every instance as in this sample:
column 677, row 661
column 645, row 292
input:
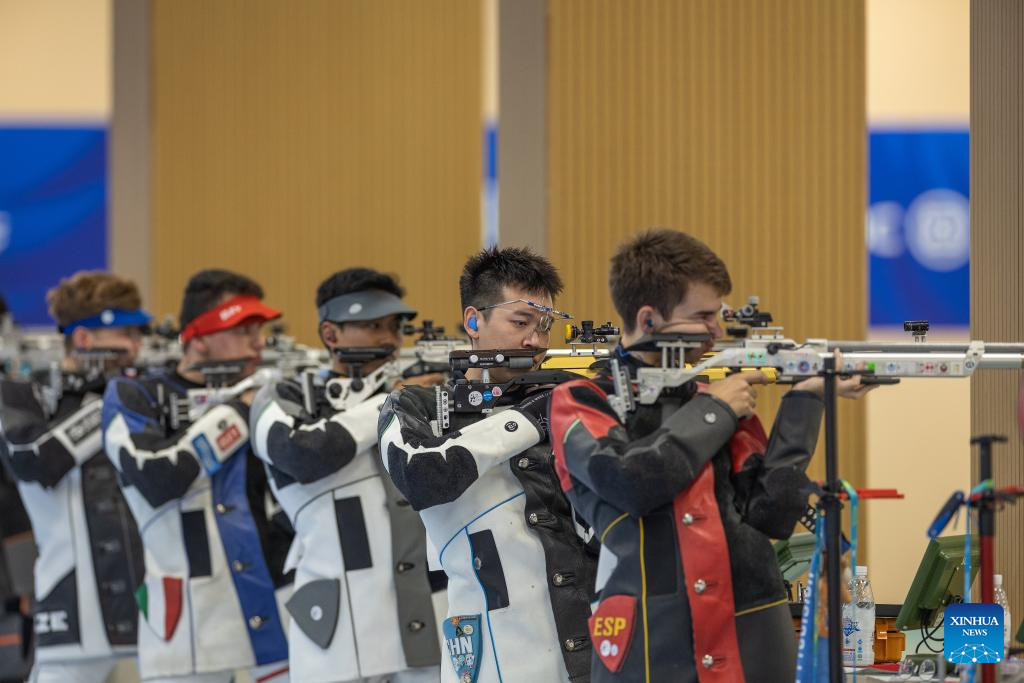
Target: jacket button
column 708, row 661
column 416, row 626
column 523, row 463
column 710, row 418
column 699, row 586
column 222, row 509
column 238, row 566
column 570, row 644
column 558, row 579
column 533, row 518
column 477, row 563
column 110, row 546
column 256, row 622
column 687, row 519
column 403, row 567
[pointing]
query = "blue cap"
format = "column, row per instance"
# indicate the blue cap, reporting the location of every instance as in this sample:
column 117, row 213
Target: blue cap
column 110, row 317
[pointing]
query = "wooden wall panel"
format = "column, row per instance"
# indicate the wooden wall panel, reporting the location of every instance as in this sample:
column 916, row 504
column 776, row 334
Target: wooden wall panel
column 997, row 254
column 129, row 147
column 740, row 122
column 293, row 139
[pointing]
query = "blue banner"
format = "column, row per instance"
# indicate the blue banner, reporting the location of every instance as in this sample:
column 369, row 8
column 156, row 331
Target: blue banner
column 53, row 212
column 918, row 227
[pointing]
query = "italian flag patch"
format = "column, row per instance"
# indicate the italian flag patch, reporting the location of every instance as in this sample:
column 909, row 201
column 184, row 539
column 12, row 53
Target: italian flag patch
column 159, row 601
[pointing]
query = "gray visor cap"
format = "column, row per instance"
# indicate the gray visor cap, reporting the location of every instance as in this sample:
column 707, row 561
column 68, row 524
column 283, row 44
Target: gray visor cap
column 369, row 304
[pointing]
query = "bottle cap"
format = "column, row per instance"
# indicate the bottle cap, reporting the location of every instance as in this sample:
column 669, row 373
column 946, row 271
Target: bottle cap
column 998, row 579
column 862, row 570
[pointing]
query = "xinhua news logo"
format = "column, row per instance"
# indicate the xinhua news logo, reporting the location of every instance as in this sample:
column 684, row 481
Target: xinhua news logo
column 973, row 633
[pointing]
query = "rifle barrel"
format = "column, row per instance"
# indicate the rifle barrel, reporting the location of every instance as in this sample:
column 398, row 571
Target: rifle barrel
column 922, row 347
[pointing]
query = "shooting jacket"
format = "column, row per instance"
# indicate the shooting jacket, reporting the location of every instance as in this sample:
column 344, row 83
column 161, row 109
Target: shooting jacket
column 520, row 570
column 212, row 559
column 362, row 602
column 684, row 498
column 90, row 556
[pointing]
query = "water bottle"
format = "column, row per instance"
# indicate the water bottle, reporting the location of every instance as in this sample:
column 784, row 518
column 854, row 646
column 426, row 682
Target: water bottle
column 859, row 623
column 1003, row 602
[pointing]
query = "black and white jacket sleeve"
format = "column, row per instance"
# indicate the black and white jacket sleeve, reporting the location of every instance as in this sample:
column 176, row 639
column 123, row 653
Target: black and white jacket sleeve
column 433, row 470
column 163, row 467
column 309, row 447
column 41, row 450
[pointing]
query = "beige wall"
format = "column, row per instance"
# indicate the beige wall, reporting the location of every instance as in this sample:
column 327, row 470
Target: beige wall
column 918, row 66
column 55, row 60
column 917, row 433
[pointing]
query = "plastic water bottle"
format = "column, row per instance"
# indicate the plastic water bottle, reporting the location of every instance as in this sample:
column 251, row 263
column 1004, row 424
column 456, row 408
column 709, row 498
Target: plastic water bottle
column 1003, row 602
column 859, row 624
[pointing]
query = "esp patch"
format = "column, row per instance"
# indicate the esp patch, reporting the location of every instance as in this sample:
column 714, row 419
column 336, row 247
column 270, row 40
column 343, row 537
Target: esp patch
column 611, row 629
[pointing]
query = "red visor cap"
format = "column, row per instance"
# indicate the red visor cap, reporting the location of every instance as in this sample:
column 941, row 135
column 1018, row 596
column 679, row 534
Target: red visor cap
column 231, row 313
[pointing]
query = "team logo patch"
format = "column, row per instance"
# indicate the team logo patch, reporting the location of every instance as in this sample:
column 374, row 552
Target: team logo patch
column 511, row 426
column 160, row 601
column 611, row 628
column 314, row 607
column 86, row 425
column 204, row 451
column 230, row 312
column 228, row 438
column 462, row 643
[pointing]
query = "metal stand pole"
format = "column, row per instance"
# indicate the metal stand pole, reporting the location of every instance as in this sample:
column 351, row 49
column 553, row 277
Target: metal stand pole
column 832, row 507
column 987, row 532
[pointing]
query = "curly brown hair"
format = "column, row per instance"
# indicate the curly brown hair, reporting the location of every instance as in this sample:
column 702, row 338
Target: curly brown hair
column 89, row 293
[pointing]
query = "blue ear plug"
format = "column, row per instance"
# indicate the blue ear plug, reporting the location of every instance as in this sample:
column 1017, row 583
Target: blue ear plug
column 471, row 323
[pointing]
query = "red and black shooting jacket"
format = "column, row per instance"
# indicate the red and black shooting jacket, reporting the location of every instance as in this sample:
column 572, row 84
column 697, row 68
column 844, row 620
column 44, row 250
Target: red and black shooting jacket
column 684, row 498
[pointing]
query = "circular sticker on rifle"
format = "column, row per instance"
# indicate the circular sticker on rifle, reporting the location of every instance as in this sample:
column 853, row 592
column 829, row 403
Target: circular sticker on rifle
column 475, row 398
column 496, row 392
